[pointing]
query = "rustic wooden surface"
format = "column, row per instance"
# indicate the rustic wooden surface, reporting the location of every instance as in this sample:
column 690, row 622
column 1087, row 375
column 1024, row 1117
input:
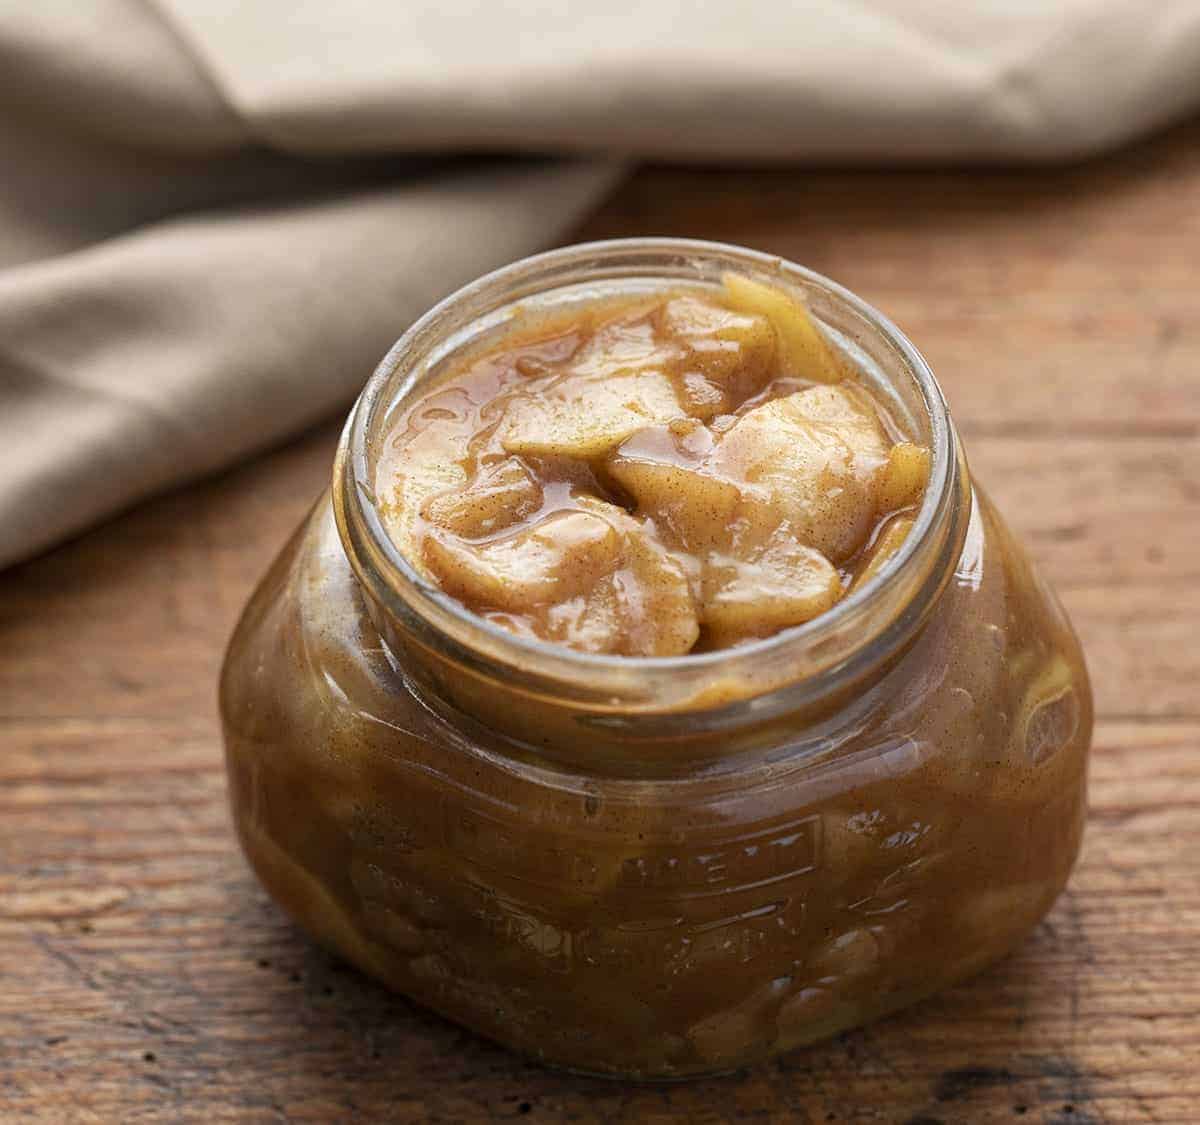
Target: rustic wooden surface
column 145, row 976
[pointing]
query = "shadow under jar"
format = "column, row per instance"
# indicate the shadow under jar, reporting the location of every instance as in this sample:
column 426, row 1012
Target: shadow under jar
column 659, row 867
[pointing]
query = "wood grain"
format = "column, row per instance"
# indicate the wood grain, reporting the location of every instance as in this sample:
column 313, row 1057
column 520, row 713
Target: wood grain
column 144, row 976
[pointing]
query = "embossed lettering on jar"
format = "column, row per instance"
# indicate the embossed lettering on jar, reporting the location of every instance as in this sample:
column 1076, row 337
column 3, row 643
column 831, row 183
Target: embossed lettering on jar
column 659, row 866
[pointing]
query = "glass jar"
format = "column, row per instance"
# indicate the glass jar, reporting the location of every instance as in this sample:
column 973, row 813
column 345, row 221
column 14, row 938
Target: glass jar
column 659, row 867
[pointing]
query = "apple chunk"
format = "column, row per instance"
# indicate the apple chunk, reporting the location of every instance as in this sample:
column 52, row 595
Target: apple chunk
column 691, row 507
column 905, row 476
column 803, row 351
column 657, row 610
column 811, row 461
column 586, row 417
column 888, row 542
column 616, row 384
column 592, row 577
column 431, row 465
column 553, row 560
column 783, row 584
column 728, row 353
column 497, row 498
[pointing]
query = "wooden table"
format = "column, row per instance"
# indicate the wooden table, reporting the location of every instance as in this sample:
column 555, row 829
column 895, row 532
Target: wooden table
column 145, row 976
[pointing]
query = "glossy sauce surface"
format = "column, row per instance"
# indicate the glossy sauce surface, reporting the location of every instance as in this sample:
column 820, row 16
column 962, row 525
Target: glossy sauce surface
column 652, row 475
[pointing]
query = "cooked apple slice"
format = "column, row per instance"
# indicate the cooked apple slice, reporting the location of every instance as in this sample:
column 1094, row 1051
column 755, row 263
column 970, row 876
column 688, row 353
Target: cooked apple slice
column 904, row 477
column 803, row 350
column 784, row 584
column 431, row 464
column 616, row 384
column 846, row 407
column 662, row 470
column 585, row 418
column 588, row 622
column 556, row 559
column 657, row 611
column 811, row 461
column 691, row 508
column 592, row 578
column 889, row 541
column 625, row 345
column 497, row 498
column 728, row 351
column 701, row 397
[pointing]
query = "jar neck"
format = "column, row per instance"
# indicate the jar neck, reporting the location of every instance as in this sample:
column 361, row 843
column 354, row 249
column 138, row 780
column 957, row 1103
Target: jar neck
column 647, row 715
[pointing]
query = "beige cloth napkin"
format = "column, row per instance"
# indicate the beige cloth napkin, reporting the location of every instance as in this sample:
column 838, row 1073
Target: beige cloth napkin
column 216, row 215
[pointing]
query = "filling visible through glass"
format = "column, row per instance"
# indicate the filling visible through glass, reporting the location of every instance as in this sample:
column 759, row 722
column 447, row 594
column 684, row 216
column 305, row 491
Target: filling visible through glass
column 652, row 475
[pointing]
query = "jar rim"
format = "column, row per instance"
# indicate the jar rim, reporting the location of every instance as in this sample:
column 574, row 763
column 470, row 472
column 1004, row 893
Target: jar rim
column 446, row 625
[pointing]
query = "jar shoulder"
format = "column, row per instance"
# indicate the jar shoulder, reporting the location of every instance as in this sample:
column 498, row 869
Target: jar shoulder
column 305, row 665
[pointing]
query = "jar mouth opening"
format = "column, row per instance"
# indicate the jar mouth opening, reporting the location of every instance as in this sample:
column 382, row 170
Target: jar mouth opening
column 405, row 594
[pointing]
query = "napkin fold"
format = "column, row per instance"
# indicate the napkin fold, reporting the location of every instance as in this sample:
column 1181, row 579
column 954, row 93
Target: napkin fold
column 215, row 216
